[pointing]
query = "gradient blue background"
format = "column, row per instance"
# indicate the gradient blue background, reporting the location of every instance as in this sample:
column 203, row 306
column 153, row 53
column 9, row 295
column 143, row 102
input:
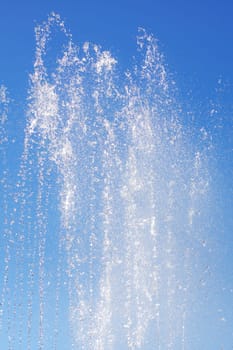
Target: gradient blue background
column 196, row 38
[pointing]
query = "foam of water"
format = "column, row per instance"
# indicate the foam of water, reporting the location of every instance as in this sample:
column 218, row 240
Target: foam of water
column 108, row 205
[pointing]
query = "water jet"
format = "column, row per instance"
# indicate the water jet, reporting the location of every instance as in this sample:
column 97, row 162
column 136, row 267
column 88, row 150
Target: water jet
column 103, row 242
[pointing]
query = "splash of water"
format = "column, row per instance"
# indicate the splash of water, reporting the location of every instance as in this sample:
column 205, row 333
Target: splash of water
column 108, row 205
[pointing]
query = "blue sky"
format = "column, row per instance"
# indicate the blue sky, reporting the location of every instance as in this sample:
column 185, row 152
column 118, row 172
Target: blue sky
column 196, row 38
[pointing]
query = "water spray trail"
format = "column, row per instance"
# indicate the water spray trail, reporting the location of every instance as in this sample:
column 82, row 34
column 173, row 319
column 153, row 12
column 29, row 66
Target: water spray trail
column 105, row 185
column 5, row 218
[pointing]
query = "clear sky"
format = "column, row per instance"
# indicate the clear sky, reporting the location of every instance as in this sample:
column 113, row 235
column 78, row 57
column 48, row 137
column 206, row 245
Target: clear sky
column 196, row 38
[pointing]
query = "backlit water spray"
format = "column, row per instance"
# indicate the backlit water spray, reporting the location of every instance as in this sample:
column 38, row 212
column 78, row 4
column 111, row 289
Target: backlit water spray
column 103, row 228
